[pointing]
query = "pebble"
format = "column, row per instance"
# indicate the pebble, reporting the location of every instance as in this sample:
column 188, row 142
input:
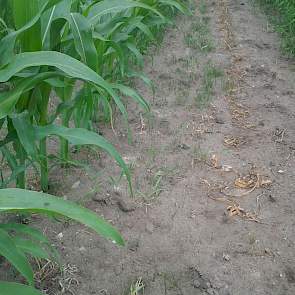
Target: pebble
column 125, row 206
column 100, row 198
column 118, row 270
column 82, row 249
column 133, row 245
column 76, row 184
column 219, row 120
column 226, row 257
column 150, row 228
column 196, row 284
column 211, row 291
column 183, row 146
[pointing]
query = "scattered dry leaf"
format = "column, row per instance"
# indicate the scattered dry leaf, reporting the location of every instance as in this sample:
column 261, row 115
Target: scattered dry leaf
column 245, row 182
column 236, row 210
column 214, row 161
column 232, row 141
column 227, row 168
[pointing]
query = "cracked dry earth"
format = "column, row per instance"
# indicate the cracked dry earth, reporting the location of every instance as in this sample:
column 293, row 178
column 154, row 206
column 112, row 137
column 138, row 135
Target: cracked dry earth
column 215, row 185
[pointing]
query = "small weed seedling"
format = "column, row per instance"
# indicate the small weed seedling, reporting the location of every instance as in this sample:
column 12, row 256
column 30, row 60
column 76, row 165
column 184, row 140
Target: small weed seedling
column 204, row 96
column 199, row 36
column 137, row 288
column 203, row 7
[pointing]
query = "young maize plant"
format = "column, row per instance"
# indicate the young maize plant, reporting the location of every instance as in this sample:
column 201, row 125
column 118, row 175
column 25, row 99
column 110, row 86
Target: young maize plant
column 84, row 51
column 52, row 39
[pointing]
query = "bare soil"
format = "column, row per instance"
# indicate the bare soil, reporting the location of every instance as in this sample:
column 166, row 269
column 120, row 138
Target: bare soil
column 214, row 185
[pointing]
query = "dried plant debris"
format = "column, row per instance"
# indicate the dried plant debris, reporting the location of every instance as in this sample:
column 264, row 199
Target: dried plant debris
column 248, row 183
column 52, row 276
column 278, row 135
column 226, row 193
column 236, row 210
column 233, row 142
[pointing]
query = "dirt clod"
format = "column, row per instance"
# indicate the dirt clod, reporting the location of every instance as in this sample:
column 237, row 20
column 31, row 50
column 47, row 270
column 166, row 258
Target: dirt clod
column 125, row 205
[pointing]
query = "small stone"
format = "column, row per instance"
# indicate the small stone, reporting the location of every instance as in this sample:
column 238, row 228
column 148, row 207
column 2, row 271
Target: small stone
column 196, row 284
column 125, row 206
column 100, row 198
column 272, row 199
column 133, row 245
column 204, row 284
column 211, row 291
column 227, row 168
column 267, row 251
column 82, row 249
column 183, row 146
column 150, row 228
column 219, row 120
column 117, row 190
column 60, row 236
column 226, row 257
column 76, row 184
column 118, row 270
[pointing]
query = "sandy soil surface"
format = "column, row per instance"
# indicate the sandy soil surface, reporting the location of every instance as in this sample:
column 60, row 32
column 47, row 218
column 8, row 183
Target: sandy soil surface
column 213, row 171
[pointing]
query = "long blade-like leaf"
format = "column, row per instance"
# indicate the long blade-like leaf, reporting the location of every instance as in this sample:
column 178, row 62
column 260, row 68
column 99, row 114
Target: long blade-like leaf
column 9, row 99
column 70, row 66
column 24, row 200
column 78, row 136
column 82, row 33
column 30, row 247
column 16, row 257
column 115, row 6
column 7, row 288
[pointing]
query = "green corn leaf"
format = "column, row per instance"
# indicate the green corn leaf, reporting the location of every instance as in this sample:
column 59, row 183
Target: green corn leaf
column 24, row 11
column 143, row 77
column 25, row 133
column 172, row 3
column 52, row 23
column 136, row 52
column 133, row 94
column 30, row 247
column 70, row 66
column 78, row 136
column 24, row 200
column 115, row 6
column 33, row 234
column 16, row 257
column 145, row 29
column 65, row 63
column 82, row 33
column 24, row 229
column 9, row 99
column 7, row 288
column 8, row 42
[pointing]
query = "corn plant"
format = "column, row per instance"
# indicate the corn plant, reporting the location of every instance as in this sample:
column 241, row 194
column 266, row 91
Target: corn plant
column 30, row 76
column 18, row 241
column 51, row 45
